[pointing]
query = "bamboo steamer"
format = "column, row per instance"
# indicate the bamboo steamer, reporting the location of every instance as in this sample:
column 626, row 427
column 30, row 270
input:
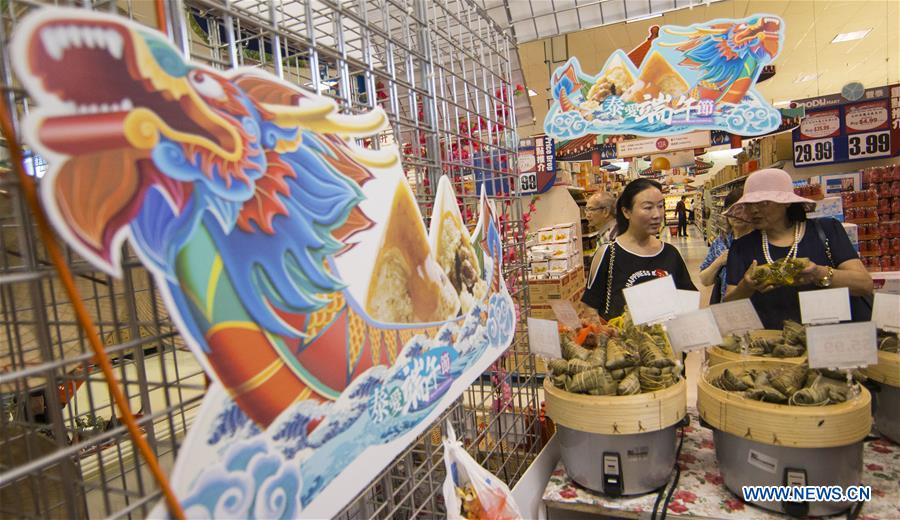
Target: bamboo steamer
column 617, row 415
column 718, row 355
column 781, row 425
column 887, row 371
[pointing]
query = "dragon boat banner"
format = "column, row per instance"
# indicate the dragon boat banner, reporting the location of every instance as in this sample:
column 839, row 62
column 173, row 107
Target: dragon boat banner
column 699, row 77
column 295, row 263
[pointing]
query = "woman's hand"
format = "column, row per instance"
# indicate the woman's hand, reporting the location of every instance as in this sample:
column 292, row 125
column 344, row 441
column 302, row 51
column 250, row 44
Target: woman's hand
column 748, row 283
column 811, row 274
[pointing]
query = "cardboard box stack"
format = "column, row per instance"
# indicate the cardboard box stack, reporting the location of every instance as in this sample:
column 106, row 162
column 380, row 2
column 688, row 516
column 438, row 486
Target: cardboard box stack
column 553, row 252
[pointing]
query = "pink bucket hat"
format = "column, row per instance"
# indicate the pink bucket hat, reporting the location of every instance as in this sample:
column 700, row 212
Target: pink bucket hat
column 772, row 185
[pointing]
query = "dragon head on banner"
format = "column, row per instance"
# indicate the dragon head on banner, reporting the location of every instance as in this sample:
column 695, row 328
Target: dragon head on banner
column 295, row 263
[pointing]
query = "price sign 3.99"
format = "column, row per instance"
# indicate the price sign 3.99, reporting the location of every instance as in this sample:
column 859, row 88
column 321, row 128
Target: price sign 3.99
column 814, row 151
column 872, row 144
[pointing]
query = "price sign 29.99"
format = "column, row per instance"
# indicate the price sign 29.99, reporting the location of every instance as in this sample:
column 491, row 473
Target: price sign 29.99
column 872, row 144
column 814, row 151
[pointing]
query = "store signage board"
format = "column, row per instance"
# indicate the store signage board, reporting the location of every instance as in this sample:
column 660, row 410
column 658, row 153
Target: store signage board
column 693, row 330
column 652, row 302
column 687, row 301
column 736, row 317
column 886, row 311
column 845, row 345
column 268, row 244
column 566, row 314
column 537, row 165
column 675, row 85
column 543, row 338
column 824, row 306
column 836, row 130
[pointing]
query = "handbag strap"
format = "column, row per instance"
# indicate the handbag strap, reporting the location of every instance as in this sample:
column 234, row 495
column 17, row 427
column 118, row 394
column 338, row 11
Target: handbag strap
column 824, row 239
column 609, row 279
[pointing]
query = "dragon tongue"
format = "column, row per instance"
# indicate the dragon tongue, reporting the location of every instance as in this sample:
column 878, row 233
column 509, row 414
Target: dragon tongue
column 84, row 133
column 96, row 195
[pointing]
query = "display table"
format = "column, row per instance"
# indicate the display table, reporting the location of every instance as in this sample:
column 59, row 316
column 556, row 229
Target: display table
column 701, row 493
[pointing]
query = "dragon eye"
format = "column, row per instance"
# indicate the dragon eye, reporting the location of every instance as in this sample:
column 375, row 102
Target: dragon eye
column 206, row 86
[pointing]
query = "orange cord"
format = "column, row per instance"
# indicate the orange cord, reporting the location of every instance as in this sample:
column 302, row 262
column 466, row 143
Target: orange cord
column 84, row 319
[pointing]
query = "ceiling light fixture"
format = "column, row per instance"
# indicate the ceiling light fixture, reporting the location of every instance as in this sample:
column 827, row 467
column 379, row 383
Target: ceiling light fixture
column 643, row 18
column 531, row 93
column 850, row 36
column 803, row 78
column 781, row 103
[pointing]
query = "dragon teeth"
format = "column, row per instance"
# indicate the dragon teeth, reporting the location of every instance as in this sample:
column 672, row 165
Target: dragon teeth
column 126, row 104
column 58, row 39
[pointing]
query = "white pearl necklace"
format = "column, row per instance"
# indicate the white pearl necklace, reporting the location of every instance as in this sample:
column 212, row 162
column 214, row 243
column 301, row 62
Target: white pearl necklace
column 792, row 252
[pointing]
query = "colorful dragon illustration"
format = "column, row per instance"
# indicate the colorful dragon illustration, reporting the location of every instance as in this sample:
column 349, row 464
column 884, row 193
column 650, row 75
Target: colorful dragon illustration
column 730, row 56
column 236, row 189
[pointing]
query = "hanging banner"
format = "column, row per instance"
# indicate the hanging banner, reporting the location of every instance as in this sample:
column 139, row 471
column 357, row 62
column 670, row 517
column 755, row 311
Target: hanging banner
column 537, row 165
column 294, row 262
column 838, row 131
column 699, row 77
column 657, row 145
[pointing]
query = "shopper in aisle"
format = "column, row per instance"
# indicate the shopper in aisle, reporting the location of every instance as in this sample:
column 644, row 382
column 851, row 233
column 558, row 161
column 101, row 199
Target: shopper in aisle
column 681, row 214
column 781, row 230
column 600, row 210
column 636, row 255
column 712, row 270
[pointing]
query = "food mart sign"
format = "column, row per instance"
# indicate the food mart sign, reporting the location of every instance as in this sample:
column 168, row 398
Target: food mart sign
column 657, row 145
column 836, row 130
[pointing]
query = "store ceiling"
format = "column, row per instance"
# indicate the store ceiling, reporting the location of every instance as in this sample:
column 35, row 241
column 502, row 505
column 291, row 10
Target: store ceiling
column 809, row 64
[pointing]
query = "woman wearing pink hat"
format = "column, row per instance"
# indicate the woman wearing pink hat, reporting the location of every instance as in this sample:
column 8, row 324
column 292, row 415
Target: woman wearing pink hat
column 778, row 217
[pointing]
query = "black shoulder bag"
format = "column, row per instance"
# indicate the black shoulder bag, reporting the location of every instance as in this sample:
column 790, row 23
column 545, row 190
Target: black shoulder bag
column 821, row 232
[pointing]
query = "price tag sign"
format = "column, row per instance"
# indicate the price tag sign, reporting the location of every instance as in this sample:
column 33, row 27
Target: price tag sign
column 814, row 151
column 738, row 317
column 688, row 301
column 653, row 301
column 566, row 314
column 543, row 338
column 846, row 345
column 824, row 306
column 866, row 146
column 528, row 182
column 693, row 330
column 886, row 311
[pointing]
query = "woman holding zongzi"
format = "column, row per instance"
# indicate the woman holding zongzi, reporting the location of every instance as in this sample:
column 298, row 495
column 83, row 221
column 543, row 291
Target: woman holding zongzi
column 636, row 255
column 816, row 253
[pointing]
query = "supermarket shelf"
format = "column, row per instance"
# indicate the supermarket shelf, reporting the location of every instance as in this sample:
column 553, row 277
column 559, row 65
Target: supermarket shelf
column 729, row 183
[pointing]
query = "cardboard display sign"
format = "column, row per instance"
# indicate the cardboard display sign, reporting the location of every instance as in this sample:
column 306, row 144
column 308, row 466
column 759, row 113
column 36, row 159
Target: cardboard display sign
column 294, row 263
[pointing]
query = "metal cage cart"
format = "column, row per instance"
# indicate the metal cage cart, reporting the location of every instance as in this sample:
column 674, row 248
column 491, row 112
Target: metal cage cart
column 441, row 70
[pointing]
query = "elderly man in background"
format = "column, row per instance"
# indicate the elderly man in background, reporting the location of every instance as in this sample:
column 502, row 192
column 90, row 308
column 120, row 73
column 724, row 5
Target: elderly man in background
column 600, row 211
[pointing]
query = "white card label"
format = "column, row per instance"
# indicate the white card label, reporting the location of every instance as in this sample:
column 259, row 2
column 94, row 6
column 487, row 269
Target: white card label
column 886, row 311
column 846, row 345
column 825, row 306
column 653, row 301
column 693, row 330
column 543, row 338
column 566, row 314
column 688, row 301
column 737, row 317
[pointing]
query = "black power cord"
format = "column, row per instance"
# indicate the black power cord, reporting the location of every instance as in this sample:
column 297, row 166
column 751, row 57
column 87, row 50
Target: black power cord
column 662, row 491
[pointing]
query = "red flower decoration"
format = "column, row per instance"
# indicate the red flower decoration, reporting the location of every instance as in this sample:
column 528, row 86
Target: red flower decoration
column 881, row 449
column 707, row 444
column 687, row 458
column 677, row 507
column 568, row 493
column 878, row 492
column 688, row 429
column 685, row 496
column 714, row 478
column 734, row 504
column 874, row 467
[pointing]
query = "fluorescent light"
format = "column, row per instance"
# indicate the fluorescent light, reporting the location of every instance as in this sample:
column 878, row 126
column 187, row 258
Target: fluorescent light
column 642, row 18
column 803, row 78
column 781, row 103
column 850, row 36
column 531, row 93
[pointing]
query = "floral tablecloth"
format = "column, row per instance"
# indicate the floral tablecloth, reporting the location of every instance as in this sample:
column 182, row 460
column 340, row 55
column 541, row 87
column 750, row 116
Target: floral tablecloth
column 701, row 492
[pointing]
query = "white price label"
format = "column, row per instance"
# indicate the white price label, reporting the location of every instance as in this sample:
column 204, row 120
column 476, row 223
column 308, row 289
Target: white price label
column 528, row 182
column 694, row 330
column 566, row 314
column 847, row 345
column 738, row 316
column 688, row 301
column 872, row 144
column 543, row 338
column 653, row 301
column 825, row 306
column 814, row 151
column 886, row 311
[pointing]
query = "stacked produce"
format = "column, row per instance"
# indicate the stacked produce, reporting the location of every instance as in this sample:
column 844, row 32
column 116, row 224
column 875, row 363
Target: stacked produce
column 621, row 359
column 795, row 385
column 781, row 272
column 791, row 344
